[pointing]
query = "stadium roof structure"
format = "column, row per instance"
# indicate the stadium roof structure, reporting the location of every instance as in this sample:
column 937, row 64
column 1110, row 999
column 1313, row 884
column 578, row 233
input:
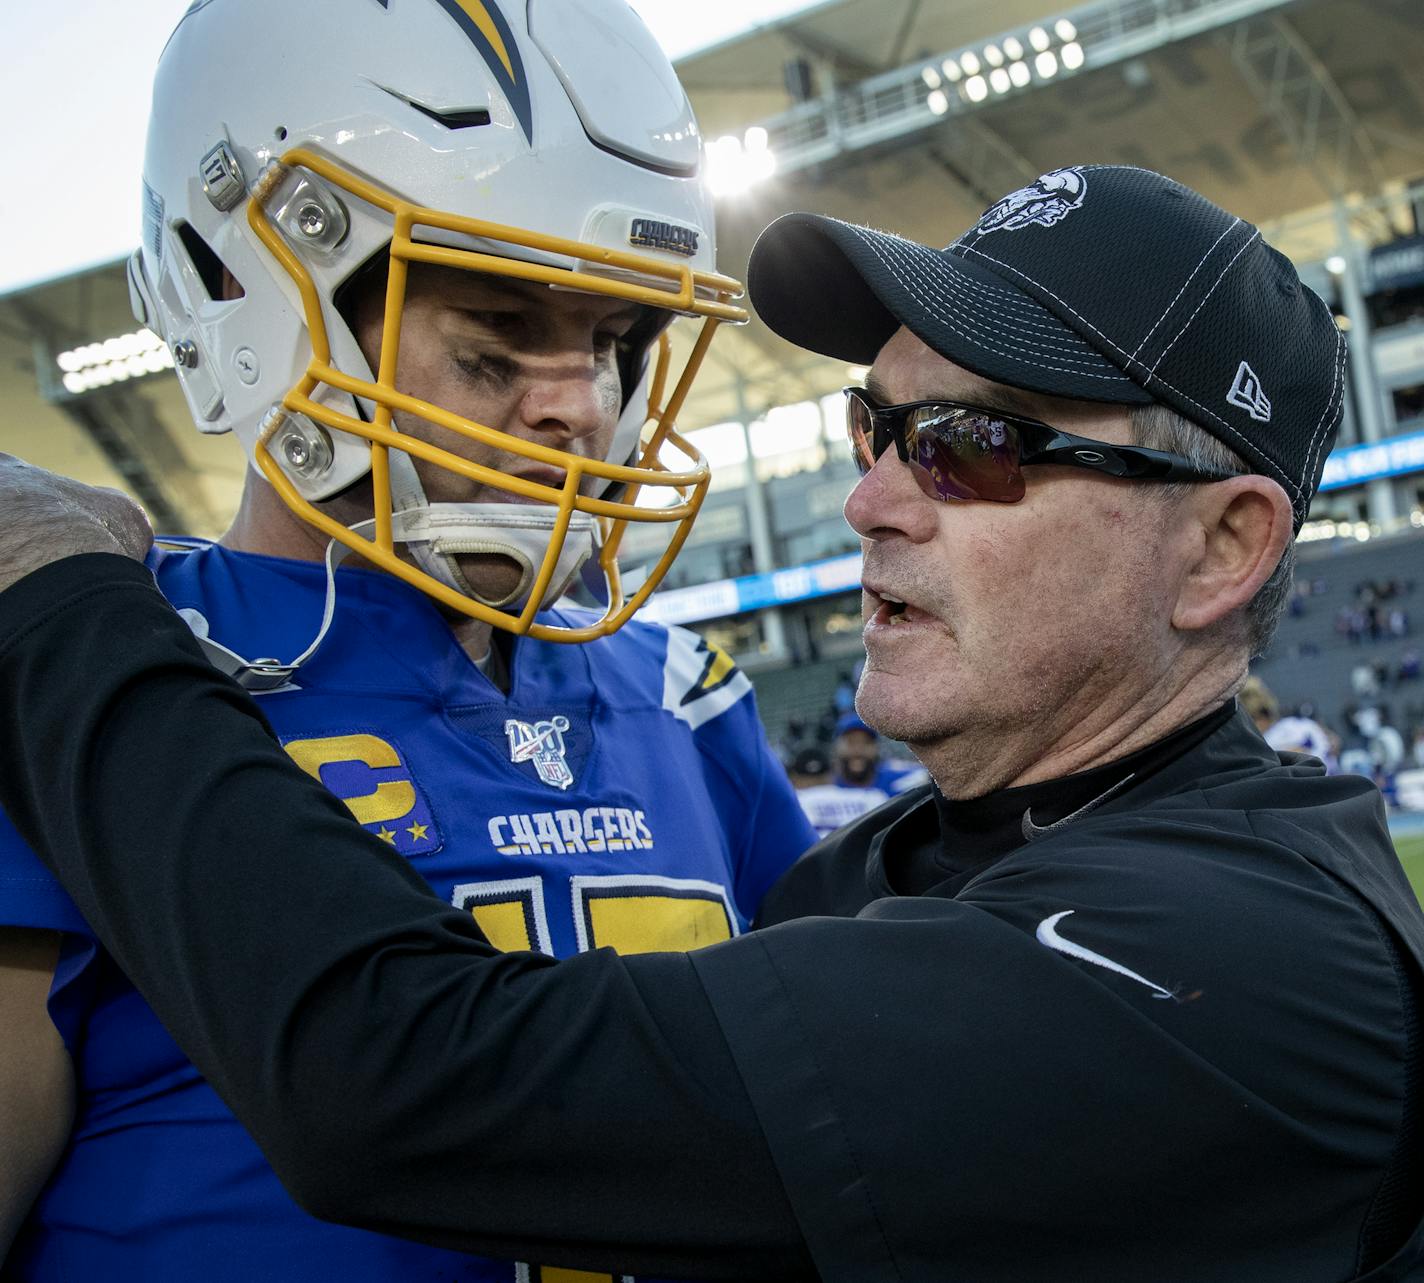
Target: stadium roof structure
column 1278, row 109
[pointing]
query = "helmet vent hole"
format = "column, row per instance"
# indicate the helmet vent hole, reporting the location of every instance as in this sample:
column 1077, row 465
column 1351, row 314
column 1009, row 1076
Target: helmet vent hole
column 450, row 117
column 209, row 266
column 467, row 119
column 280, row 133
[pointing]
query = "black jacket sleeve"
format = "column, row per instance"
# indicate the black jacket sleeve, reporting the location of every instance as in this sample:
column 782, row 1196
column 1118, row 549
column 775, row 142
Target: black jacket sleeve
column 398, row 1071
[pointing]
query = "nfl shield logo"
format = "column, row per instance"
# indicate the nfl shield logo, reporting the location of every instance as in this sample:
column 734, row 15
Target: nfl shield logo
column 543, row 744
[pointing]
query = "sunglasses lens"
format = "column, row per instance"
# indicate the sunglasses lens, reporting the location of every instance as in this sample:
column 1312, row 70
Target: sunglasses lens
column 954, row 452
column 861, row 431
column 959, row 455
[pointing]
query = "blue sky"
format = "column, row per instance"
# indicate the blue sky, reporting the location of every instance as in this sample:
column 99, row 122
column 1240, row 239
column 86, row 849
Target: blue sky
column 76, row 96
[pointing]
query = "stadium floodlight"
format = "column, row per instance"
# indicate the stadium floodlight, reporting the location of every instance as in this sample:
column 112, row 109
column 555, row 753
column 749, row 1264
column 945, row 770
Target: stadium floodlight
column 999, row 81
column 725, row 170
column 1072, row 55
column 970, row 62
column 993, row 55
column 1038, row 38
column 1020, row 74
column 937, row 102
column 931, row 77
column 952, row 72
column 1065, row 29
column 736, row 164
column 1013, row 49
column 1046, row 64
column 1312, row 530
column 757, row 154
column 117, row 360
column 976, row 89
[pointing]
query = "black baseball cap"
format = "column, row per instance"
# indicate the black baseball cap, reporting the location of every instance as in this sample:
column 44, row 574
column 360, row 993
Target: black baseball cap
column 1097, row 282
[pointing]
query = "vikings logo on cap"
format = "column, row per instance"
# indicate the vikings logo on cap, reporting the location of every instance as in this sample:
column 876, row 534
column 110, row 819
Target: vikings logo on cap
column 1045, row 201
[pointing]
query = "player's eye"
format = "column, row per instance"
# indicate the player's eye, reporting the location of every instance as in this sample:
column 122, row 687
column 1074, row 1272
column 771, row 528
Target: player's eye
column 486, row 369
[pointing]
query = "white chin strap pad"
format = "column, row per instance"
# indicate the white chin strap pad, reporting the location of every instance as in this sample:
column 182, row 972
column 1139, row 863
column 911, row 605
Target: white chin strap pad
column 438, row 533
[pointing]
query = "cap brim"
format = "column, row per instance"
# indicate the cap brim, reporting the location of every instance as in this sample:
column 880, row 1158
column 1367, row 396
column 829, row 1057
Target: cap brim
column 843, row 290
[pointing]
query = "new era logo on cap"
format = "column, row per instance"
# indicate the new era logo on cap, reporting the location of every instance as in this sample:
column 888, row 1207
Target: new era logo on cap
column 1246, row 392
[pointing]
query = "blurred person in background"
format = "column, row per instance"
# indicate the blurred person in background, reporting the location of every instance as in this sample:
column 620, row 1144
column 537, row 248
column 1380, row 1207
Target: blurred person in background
column 860, row 764
column 847, row 787
column 1295, row 733
column 809, row 767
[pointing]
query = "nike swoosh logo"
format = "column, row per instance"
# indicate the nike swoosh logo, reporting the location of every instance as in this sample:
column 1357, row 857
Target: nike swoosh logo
column 1031, row 831
column 1047, row 933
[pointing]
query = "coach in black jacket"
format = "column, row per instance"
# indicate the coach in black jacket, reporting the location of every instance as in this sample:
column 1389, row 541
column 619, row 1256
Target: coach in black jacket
column 1124, row 996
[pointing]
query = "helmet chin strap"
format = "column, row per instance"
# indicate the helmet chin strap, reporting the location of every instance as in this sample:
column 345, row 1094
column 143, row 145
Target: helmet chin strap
column 439, row 533
column 436, row 535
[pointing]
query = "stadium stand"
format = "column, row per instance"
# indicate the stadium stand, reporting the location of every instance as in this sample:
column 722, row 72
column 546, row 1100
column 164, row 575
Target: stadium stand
column 797, row 693
column 1341, row 624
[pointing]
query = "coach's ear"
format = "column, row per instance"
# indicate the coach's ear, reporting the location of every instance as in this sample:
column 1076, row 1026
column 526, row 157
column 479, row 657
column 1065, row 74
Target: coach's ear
column 1235, row 533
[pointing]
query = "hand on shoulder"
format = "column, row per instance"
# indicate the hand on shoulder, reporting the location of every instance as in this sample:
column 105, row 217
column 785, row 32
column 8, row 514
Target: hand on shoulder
column 45, row 517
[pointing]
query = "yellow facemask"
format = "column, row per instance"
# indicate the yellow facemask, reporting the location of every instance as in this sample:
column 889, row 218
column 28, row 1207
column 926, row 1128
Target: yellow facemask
column 632, row 277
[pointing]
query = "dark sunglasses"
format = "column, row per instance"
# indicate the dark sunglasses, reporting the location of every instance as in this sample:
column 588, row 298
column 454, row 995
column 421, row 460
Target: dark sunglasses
column 958, row 451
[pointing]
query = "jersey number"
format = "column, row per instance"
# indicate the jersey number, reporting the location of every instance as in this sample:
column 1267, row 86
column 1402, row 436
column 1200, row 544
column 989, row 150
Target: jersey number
column 631, row 914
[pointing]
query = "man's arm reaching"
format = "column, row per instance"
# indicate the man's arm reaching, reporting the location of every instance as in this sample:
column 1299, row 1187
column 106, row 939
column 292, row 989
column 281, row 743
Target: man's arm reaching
column 586, row 1111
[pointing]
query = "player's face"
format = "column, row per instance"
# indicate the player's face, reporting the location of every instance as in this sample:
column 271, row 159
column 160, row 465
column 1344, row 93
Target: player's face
column 536, row 363
column 857, row 756
column 1043, row 619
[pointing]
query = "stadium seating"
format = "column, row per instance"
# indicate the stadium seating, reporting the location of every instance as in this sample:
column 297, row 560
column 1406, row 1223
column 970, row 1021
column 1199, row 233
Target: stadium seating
column 1312, row 660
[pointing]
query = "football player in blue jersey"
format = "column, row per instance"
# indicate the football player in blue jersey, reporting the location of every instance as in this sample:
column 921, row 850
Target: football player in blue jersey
column 861, row 778
column 420, row 258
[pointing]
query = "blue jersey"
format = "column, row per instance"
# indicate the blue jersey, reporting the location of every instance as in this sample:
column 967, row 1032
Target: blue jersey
column 894, row 775
column 830, row 806
column 620, row 794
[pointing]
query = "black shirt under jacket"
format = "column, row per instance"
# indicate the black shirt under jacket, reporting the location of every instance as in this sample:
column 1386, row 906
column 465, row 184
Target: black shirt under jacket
column 1173, row 1038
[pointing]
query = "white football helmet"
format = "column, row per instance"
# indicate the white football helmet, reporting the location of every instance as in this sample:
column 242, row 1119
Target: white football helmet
column 294, row 144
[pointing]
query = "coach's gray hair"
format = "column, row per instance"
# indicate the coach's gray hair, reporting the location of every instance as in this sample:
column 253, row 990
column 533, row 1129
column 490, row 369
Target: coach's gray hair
column 1158, row 427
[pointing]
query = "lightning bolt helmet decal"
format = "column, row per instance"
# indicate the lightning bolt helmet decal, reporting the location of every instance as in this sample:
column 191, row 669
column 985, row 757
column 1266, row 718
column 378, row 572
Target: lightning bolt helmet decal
column 486, row 29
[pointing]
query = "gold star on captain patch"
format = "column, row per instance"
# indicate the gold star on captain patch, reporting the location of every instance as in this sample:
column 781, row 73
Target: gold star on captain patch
column 417, row 831
column 387, row 835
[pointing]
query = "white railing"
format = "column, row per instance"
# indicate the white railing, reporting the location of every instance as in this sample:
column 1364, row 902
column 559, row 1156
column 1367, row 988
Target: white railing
column 921, row 94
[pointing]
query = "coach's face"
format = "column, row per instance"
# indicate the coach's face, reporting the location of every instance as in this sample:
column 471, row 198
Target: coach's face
column 1026, row 625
